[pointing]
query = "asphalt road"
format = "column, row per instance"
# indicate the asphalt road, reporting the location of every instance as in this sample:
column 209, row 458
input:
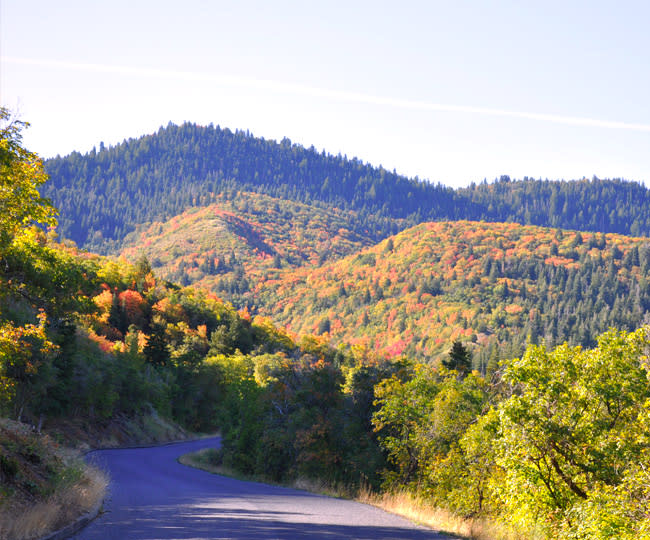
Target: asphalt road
column 154, row 497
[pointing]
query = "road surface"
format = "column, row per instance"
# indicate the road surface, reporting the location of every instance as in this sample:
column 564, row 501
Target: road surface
column 153, row 497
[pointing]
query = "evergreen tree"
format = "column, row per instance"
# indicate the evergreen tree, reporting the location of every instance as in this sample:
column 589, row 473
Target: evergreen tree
column 458, row 359
column 156, row 351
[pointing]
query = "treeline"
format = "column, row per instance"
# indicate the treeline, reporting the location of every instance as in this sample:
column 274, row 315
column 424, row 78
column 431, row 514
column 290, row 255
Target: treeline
column 609, row 206
column 103, row 194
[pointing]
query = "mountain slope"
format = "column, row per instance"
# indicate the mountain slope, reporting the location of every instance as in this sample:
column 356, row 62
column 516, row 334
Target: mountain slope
column 486, row 283
column 245, row 238
column 103, row 195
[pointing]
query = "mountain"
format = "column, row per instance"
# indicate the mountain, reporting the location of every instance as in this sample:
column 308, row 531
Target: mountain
column 554, row 441
column 303, row 237
column 105, row 194
column 495, row 286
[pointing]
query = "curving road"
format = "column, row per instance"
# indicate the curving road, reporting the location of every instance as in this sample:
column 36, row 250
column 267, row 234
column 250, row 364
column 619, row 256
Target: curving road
column 153, row 497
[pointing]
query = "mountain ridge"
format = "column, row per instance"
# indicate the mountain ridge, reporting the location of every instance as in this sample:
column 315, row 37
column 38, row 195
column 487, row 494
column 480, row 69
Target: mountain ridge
column 103, row 195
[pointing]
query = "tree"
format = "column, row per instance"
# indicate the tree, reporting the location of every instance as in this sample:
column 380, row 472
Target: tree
column 21, row 173
column 324, row 326
column 574, row 426
column 458, row 359
column 403, row 409
column 156, row 351
column 25, row 362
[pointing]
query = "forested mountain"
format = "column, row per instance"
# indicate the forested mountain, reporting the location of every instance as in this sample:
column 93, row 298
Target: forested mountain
column 105, row 193
column 552, row 444
column 495, row 286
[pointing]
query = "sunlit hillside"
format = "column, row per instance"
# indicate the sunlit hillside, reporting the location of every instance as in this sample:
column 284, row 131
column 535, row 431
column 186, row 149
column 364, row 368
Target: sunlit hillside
column 237, row 241
column 485, row 283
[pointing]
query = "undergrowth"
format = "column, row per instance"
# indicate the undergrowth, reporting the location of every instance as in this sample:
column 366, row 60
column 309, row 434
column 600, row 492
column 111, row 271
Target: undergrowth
column 43, row 486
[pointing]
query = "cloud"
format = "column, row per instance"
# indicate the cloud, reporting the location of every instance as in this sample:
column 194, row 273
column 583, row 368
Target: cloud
column 350, row 97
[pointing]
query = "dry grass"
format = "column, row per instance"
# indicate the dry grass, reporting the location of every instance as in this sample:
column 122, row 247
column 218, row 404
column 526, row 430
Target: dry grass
column 202, row 459
column 64, row 506
column 405, row 504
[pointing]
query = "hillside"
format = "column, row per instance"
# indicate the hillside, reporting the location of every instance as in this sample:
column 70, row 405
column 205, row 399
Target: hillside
column 496, row 286
column 241, row 239
column 489, row 284
column 105, row 194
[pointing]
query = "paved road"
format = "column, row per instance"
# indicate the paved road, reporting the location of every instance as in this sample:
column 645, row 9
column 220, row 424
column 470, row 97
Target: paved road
column 153, row 497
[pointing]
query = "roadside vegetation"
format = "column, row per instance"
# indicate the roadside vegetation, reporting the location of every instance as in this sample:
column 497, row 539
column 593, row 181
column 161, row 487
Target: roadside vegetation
column 44, row 486
column 555, row 445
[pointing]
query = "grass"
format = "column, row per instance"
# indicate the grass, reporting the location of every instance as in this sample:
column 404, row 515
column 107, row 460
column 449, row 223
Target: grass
column 208, row 458
column 205, row 460
column 43, row 486
column 420, row 511
column 68, row 502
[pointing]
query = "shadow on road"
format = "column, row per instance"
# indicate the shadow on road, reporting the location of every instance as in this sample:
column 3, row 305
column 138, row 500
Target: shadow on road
column 152, row 497
column 205, row 523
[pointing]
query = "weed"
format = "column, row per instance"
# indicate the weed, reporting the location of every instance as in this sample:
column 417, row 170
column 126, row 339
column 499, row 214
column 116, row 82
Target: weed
column 420, row 511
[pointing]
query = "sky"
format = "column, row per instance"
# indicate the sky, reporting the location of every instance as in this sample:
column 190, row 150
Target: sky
column 452, row 92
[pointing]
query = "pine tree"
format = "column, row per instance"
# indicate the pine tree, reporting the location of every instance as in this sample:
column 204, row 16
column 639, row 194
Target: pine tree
column 155, row 351
column 459, row 358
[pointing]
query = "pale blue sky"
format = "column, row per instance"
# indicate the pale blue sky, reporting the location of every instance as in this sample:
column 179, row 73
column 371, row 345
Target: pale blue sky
column 450, row 91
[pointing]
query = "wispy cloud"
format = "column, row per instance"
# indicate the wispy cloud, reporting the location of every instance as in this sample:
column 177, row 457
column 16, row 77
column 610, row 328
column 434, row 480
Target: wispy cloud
column 299, row 89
